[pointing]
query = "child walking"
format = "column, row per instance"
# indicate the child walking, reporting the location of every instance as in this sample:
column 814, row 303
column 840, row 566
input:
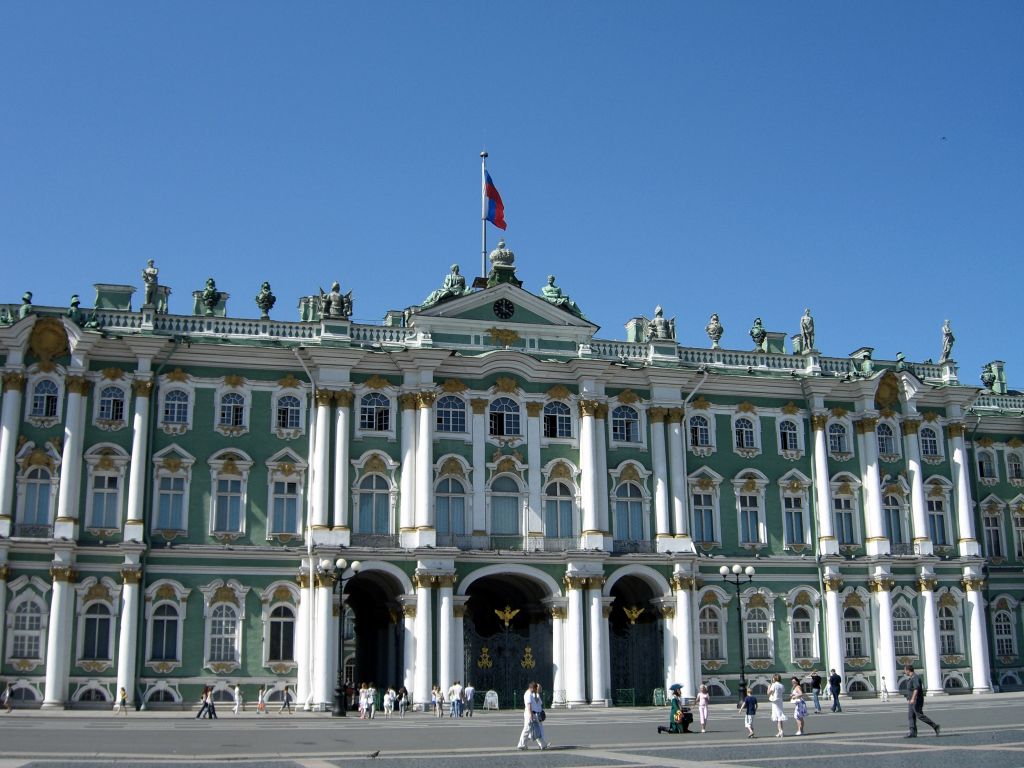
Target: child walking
column 749, row 708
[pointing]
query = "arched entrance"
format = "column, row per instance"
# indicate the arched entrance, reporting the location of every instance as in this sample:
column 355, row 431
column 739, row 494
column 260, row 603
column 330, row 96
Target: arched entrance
column 508, row 637
column 637, row 649
column 374, row 638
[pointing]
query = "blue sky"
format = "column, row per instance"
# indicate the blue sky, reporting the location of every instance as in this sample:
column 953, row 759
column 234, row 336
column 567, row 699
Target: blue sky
column 861, row 159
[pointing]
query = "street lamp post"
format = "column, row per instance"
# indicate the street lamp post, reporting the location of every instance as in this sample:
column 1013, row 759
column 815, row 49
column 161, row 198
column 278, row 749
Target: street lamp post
column 340, row 581
column 735, row 576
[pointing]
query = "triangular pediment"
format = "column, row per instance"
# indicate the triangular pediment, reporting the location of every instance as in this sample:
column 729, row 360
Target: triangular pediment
column 505, row 304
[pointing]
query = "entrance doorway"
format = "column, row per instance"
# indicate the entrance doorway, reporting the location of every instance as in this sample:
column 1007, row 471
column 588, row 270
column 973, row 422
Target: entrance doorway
column 637, row 650
column 374, row 637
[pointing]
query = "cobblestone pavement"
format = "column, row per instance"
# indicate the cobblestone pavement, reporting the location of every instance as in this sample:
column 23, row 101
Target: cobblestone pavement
column 868, row 734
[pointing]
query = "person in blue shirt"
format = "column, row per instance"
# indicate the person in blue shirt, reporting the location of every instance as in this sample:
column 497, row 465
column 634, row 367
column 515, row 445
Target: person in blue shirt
column 749, row 708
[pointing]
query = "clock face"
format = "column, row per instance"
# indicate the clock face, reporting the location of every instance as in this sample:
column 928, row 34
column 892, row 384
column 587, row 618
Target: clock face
column 504, row 308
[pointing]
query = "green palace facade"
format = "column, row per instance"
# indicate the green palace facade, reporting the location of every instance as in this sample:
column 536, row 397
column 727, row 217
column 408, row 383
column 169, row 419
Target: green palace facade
column 183, row 499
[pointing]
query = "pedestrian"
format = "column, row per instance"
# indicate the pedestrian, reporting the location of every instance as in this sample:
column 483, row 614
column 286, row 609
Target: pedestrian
column 363, row 709
column 211, row 706
column 915, row 712
column 533, row 718
column 703, row 702
column 371, row 700
column 816, row 691
column 239, row 704
column 799, row 705
column 121, row 705
column 389, row 702
column 261, row 701
column 834, row 683
column 749, row 708
column 286, row 701
column 403, row 701
column 885, row 690
column 438, row 698
column 467, row 694
column 776, row 693
column 679, row 717
column 204, row 702
column 455, row 697
column 7, row 698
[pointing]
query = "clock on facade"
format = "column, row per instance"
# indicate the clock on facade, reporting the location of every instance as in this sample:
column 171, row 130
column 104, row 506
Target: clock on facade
column 504, row 308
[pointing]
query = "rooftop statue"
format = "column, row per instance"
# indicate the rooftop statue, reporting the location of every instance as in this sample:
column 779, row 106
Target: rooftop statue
column 714, row 330
column 454, row 285
column 211, row 296
column 947, row 342
column 265, row 300
column 901, row 362
column 336, row 304
column 806, row 332
column 988, row 375
column 149, row 275
column 552, row 294
column 759, row 336
column 26, row 305
column 74, row 313
column 659, row 327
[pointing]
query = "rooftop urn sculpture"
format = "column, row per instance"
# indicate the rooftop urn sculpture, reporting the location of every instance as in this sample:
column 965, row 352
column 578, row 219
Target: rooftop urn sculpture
column 988, row 376
column 149, row 280
column 947, row 342
column 265, row 300
column 759, row 335
column 659, row 327
column 454, row 285
column 211, row 296
column 552, row 294
column 714, row 329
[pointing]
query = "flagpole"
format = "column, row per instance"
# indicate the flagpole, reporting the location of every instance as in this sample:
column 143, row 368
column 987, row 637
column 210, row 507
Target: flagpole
column 483, row 214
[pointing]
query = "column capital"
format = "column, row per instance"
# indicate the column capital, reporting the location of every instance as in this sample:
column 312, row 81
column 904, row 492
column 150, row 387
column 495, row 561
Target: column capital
column 459, row 611
column 446, row 580
column 676, row 415
column 426, row 399
column 533, row 409
column 131, row 575
column 5, row 572
column 588, row 407
column 683, row 583
column 973, row 584
column 407, row 401
column 324, row 397
column 424, row 580
column 832, row 583
column 909, row 427
column 574, row 581
column 77, row 385
column 927, row 584
column 882, row 584
column 479, row 405
column 142, row 388
column 558, row 612
column 601, row 411
column 865, row 425
column 819, row 421
column 409, row 610
column 955, row 430
column 343, row 397
column 14, row 381
column 302, row 579
column 325, row 579
column 595, row 582
column 667, row 611
column 63, row 573
column 656, row 414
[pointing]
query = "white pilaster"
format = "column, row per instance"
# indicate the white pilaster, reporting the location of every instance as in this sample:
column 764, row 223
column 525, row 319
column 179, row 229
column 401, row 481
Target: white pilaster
column 677, row 477
column 833, row 619
column 479, row 465
column 876, row 542
column 342, row 462
column 558, row 693
column 325, row 643
column 534, row 512
column 599, row 694
column 134, row 527
column 662, row 520
column 66, row 524
column 13, row 383
column 424, row 640
column 407, row 486
column 978, row 630
column 303, row 637
column 885, row 651
column 445, row 631
column 669, row 644
column 58, row 638
column 321, row 464
column 593, row 534
column 967, row 538
column 409, row 643
column 573, row 653
column 426, row 534
column 459, row 639
column 687, row 647
column 918, row 517
column 827, row 543
column 930, row 632
column 127, row 639
column 601, row 473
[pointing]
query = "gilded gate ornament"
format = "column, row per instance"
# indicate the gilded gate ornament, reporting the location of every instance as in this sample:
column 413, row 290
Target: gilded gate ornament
column 507, row 615
column 485, row 661
column 633, row 613
column 528, row 661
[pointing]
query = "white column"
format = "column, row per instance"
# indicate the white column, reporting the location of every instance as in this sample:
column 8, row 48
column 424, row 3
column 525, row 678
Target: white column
column 677, row 476
column 833, row 620
column 827, row 543
column 930, row 634
column 135, row 520
column 66, row 525
column 593, row 534
column 599, row 694
column 321, row 461
column 342, row 456
column 573, row 653
column 662, row 520
column 407, row 500
column 606, row 648
column 534, row 512
column 58, row 638
column 885, row 653
column 425, row 531
column 978, row 630
column 303, row 669
column 875, row 541
column 424, row 640
column 687, row 641
column 479, row 465
column 128, row 631
column 969, row 546
column 409, row 643
column 558, row 694
column 601, row 463
column 445, row 631
column 459, row 639
column 918, row 518
column 324, row 645
column 14, row 382
column 669, row 643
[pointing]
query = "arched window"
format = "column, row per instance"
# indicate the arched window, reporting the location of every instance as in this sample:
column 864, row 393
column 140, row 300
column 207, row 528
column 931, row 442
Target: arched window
column 802, row 633
column 853, row 633
column 27, row 640
column 96, row 633
column 700, row 432
column 284, row 510
column 986, row 466
column 838, row 441
column 164, row 641
column 902, row 632
column 558, row 511
column 176, row 407
column 374, row 502
column 232, row 410
column 892, row 519
column 1006, row 638
column 886, row 440
column 744, row 430
column 948, row 645
column 450, row 498
column 710, row 628
column 504, row 417
column 282, row 634
column 504, row 506
column 557, row 420
column 375, row 412
column 289, row 412
column 929, row 443
column 629, row 513
column 625, row 424
column 857, row 686
column 38, row 499
column 44, row 399
column 788, row 436
column 112, row 404
column 451, row 414
column 224, row 633
column 93, row 694
column 758, row 639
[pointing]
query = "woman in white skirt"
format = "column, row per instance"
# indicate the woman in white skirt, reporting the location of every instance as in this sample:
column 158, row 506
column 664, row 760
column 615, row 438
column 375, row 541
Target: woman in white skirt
column 799, row 705
column 776, row 694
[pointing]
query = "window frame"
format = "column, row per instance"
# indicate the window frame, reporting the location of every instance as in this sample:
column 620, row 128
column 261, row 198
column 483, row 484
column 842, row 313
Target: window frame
column 751, row 431
column 846, row 488
column 231, row 465
column 620, row 433
column 571, row 498
column 111, row 422
column 507, row 412
column 218, row 595
column 96, row 593
column 519, row 497
column 904, row 636
column 285, row 467
column 177, row 381
column 707, row 429
column 105, row 460
column 750, row 485
column 887, row 436
column 562, row 421
column 296, row 414
column 706, row 639
column 166, row 592
column 936, row 435
column 48, row 416
column 444, row 410
column 842, row 426
column 937, row 491
column 376, row 413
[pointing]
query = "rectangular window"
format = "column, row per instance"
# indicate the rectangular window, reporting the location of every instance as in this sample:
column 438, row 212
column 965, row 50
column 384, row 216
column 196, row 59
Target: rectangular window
column 1018, row 530
column 451, row 514
column 842, row 514
column 228, row 510
column 282, row 641
column 96, row 643
column 104, row 502
column 703, row 519
column 750, row 531
column 557, row 425
column 558, row 518
column 937, row 522
column 285, row 515
column 993, row 536
column 793, row 507
column 171, row 504
column 504, row 515
column 892, row 521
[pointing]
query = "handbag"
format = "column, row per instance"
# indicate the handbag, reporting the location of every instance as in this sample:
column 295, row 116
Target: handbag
column 542, row 715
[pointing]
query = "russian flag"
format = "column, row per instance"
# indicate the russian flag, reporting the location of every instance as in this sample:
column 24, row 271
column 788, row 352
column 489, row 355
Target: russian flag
column 495, row 208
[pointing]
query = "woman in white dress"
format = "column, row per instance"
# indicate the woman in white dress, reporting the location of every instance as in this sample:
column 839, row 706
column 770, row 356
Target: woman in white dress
column 799, row 705
column 776, row 694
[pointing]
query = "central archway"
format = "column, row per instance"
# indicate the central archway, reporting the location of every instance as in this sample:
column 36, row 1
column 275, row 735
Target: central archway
column 374, row 639
column 637, row 648
column 507, row 636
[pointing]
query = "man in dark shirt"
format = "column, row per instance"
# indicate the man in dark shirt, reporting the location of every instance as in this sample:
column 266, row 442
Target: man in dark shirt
column 749, row 707
column 816, row 691
column 834, row 681
column 915, row 693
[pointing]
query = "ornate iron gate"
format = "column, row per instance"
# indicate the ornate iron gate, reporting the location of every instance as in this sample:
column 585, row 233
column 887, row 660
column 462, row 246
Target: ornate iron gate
column 637, row 656
column 508, row 659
